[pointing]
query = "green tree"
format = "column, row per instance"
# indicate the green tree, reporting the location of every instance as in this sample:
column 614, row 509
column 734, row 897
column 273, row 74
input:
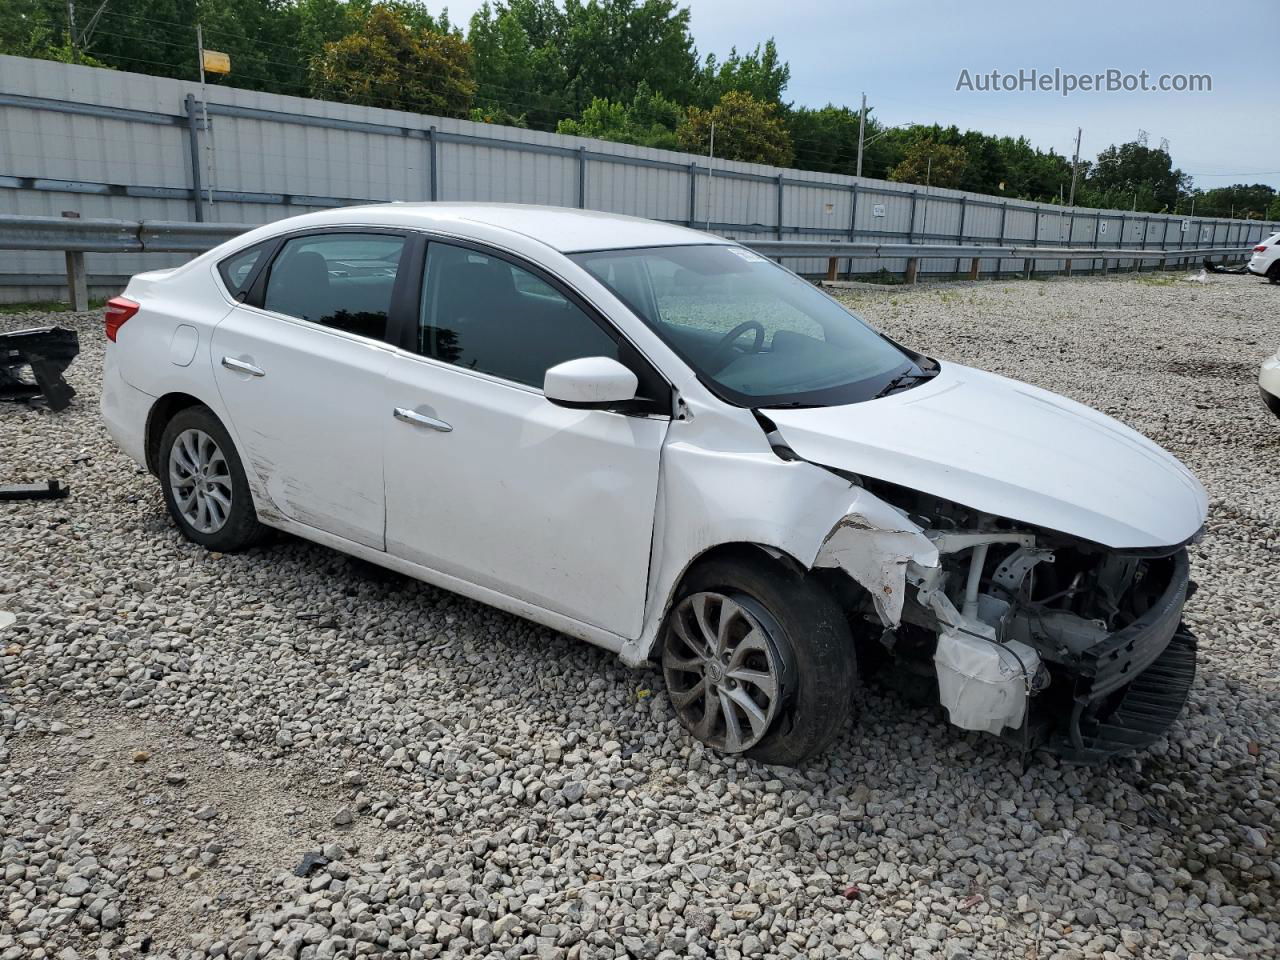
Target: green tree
column 1249, row 201
column 518, row 65
column 650, row 120
column 761, row 73
column 610, row 46
column 929, row 162
column 745, row 129
column 387, row 63
column 1135, row 174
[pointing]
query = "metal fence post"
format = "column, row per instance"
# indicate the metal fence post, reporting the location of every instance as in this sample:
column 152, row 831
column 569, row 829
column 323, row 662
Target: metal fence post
column 780, row 191
column 1004, row 213
column 911, row 227
column 964, row 206
column 582, row 178
column 853, row 222
column 432, row 158
column 693, row 195
column 193, row 142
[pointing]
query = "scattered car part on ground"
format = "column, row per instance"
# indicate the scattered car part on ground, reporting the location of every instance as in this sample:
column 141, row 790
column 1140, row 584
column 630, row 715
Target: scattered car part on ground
column 49, row 490
column 46, row 352
column 680, row 451
column 1269, row 383
column 1211, row 267
column 1265, row 261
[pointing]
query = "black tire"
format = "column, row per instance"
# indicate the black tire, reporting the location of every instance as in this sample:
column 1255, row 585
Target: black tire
column 241, row 528
column 1274, row 273
column 812, row 634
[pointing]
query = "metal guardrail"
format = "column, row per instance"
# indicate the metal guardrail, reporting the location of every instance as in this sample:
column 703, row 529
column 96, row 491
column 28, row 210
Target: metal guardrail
column 113, row 236
column 76, row 237
column 795, row 249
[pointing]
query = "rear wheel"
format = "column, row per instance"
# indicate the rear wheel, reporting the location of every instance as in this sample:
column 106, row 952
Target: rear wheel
column 1274, row 273
column 204, row 483
column 758, row 660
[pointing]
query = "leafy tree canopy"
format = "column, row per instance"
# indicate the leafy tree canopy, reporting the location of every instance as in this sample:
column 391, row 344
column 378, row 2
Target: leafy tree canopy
column 649, row 120
column 745, row 129
column 388, row 61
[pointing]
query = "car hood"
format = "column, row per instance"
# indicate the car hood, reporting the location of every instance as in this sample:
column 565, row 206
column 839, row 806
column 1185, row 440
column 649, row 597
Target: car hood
column 1012, row 450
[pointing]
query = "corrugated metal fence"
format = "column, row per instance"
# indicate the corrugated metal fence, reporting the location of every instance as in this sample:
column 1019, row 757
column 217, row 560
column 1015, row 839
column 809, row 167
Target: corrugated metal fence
column 105, row 143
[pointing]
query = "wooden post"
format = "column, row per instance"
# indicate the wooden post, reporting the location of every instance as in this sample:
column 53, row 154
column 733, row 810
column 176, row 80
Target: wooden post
column 77, row 282
column 913, row 265
column 1068, row 267
column 833, row 268
column 973, row 268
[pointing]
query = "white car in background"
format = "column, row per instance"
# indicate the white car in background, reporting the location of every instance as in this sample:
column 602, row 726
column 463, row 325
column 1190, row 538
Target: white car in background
column 1265, row 261
column 661, row 442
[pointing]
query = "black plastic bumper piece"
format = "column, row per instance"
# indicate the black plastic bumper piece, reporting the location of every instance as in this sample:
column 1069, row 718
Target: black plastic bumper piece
column 1132, row 686
column 47, row 352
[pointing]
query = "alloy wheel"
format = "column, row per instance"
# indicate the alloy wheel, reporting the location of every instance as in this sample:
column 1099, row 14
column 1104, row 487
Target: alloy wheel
column 722, row 671
column 200, row 480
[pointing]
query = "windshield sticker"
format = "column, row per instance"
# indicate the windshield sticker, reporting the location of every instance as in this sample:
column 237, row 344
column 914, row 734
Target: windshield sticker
column 748, row 255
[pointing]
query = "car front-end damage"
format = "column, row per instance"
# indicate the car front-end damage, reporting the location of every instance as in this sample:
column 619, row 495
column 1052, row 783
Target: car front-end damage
column 1042, row 638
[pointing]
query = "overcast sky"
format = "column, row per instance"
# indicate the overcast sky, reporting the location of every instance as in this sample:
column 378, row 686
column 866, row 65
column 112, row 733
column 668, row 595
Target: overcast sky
column 907, row 56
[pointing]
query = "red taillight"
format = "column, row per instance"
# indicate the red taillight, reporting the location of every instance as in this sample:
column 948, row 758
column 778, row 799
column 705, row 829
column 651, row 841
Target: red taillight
column 1260, row 248
column 119, row 309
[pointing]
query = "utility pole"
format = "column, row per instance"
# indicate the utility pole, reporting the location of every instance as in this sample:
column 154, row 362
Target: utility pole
column 862, row 131
column 71, row 24
column 204, row 106
column 1075, row 168
column 711, row 155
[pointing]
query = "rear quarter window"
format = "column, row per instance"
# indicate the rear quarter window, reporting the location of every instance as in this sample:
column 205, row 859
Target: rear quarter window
column 237, row 270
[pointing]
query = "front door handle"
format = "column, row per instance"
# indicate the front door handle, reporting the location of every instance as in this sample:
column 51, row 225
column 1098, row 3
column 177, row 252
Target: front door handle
column 404, row 415
column 239, row 366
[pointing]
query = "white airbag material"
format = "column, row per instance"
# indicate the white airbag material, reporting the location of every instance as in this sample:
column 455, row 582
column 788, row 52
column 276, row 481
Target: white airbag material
column 984, row 684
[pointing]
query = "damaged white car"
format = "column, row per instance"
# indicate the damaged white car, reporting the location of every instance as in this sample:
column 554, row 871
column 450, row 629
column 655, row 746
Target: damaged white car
column 661, row 442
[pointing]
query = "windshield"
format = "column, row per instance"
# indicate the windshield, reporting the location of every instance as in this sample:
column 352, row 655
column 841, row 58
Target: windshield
column 755, row 333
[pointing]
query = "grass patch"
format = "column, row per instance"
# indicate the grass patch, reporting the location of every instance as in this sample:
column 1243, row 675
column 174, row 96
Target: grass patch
column 1158, row 279
column 49, row 306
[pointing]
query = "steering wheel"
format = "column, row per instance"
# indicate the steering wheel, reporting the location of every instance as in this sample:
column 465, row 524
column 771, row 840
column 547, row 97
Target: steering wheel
column 720, row 355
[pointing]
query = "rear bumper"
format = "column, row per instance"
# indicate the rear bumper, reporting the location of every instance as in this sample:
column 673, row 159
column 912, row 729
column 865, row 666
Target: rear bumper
column 125, row 410
column 1129, row 689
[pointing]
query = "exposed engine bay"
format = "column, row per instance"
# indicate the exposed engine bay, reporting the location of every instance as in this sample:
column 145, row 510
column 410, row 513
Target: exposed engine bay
column 1042, row 638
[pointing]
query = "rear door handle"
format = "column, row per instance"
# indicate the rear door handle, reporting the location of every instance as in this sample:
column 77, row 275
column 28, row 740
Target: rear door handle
column 239, row 366
column 404, row 415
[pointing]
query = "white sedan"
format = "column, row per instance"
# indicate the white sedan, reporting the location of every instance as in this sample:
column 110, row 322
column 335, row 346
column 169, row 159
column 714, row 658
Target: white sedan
column 664, row 443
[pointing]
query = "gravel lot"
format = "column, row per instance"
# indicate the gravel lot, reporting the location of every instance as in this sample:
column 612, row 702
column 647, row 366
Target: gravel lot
column 177, row 729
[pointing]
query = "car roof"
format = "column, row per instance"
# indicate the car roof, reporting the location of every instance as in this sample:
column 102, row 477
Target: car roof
column 565, row 229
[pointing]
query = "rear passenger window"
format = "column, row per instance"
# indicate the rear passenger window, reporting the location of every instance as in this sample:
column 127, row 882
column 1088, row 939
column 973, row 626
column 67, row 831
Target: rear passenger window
column 483, row 313
column 237, row 269
column 339, row 280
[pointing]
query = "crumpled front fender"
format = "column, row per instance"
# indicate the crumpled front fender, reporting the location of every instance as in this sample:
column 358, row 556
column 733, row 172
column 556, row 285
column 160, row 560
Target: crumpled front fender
column 873, row 543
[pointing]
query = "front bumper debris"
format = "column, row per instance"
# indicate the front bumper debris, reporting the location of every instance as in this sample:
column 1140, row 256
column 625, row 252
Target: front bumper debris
column 47, row 352
column 1129, row 689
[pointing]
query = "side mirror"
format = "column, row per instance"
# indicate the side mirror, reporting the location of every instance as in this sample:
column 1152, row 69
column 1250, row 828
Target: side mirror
column 589, row 383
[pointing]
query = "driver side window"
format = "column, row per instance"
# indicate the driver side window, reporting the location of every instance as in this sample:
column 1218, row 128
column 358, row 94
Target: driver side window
column 484, row 313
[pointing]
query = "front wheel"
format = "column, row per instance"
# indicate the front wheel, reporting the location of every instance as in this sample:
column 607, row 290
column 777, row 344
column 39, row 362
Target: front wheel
column 204, row 483
column 758, row 660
